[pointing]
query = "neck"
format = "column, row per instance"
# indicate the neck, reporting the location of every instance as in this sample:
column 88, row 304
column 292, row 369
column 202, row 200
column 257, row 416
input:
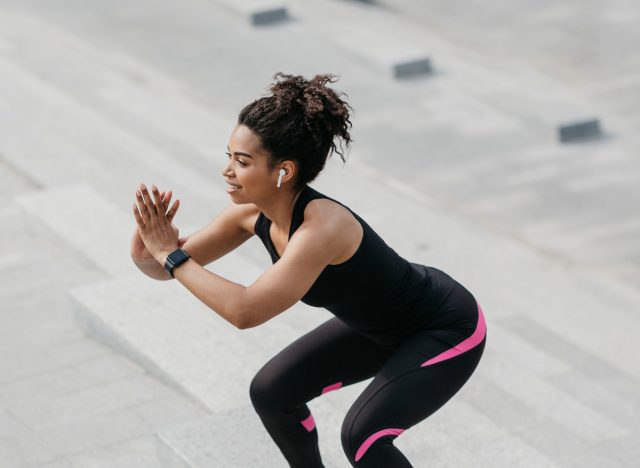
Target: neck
column 279, row 209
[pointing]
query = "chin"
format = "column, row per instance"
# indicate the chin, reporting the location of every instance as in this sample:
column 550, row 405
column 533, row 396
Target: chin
column 237, row 200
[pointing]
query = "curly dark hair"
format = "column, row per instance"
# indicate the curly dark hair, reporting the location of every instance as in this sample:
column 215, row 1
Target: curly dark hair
column 300, row 121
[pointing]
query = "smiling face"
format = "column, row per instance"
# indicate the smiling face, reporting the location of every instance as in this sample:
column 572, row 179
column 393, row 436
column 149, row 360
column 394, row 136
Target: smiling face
column 248, row 168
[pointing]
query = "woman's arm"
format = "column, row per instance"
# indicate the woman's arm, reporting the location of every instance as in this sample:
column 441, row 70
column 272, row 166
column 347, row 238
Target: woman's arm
column 229, row 229
column 312, row 247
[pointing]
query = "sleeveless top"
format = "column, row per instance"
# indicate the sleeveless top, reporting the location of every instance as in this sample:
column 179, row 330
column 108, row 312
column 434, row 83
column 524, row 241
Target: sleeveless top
column 376, row 291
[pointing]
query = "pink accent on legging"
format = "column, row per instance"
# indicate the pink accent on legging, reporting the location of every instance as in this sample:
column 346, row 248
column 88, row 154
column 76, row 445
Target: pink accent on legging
column 335, row 386
column 309, row 423
column 372, row 438
column 465, row 345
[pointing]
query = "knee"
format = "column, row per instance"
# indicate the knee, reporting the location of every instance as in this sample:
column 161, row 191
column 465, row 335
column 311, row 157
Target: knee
column 261, row 391
column 269, row 391
column 360, row 439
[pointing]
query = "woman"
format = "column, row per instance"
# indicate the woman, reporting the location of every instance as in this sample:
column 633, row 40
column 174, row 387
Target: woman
column 415, row 330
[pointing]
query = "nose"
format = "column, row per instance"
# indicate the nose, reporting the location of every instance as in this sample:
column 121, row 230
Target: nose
column 226, row 169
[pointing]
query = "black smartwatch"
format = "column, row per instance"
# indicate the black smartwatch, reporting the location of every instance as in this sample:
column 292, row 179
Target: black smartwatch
column 175, row 259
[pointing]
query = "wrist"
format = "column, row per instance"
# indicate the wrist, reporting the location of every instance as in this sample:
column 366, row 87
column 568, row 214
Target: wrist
column 174, row 259
column 161, row 258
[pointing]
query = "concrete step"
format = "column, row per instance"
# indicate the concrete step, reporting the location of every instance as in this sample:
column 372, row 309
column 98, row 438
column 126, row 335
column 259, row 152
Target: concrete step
column 178, row 338
column 88, row 133
column 257, row 12
column 390, row 45
column 71, row 153
column 477, row 94
column 224, row 439
column 92, row 224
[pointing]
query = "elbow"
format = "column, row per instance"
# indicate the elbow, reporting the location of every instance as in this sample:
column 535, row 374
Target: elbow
column 247, row 309
column 251, row 313
column 248, row 318
column 241, row 316
column 245, row 318
column 251, row 319
column 240, row 324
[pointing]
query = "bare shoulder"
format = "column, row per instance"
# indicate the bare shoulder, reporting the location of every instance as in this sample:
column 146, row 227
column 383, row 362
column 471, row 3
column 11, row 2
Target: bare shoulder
column 337, row 222
column 328, row 211
column 245, row 215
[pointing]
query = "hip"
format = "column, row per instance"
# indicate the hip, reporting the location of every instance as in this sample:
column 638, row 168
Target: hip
column 455, row 308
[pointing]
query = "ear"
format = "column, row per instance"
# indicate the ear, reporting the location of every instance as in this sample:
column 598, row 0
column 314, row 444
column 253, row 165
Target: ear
column 290, row 170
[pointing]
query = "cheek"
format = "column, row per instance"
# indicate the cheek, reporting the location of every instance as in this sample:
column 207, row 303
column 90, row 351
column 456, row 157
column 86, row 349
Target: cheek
column 253, row 173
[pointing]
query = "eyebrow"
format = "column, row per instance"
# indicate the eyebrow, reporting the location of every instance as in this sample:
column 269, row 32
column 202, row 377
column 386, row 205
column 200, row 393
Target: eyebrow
column 241, row 153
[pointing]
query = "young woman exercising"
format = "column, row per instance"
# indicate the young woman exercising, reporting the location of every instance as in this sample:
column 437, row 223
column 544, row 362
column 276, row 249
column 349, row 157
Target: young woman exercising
column 418, row 332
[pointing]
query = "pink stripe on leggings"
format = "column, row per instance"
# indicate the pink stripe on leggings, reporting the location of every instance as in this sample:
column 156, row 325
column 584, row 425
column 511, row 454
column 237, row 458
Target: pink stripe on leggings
column 465, row 345
column 372, row 438
column 329, row 388
column 309, row 423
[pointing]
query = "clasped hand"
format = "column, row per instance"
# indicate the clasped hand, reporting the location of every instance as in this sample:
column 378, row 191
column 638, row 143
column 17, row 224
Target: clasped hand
column 158, row 233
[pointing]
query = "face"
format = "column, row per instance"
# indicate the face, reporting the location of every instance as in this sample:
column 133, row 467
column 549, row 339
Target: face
column 247, row 168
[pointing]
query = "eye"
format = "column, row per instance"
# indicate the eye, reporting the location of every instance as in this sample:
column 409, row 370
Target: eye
column 240, row 161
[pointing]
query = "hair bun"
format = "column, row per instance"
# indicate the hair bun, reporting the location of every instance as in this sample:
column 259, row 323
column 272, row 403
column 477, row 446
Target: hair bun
column 312, row 95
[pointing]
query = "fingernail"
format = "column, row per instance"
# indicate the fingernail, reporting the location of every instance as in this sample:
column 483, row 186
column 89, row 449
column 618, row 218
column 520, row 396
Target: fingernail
column 144, row 187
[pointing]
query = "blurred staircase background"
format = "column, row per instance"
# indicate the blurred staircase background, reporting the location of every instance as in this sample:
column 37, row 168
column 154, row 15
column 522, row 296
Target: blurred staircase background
column 456, row 165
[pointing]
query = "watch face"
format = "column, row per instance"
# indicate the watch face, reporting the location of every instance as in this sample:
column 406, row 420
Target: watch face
column 177, row 256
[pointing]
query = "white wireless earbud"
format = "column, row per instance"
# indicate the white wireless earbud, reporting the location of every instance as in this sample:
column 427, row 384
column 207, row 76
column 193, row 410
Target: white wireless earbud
column 280, row 174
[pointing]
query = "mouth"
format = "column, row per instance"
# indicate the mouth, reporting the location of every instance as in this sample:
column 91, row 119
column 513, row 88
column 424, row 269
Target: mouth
column 232, row 187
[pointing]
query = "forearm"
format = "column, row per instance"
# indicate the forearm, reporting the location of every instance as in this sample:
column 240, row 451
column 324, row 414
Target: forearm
column 152, row 269
column 219, row 294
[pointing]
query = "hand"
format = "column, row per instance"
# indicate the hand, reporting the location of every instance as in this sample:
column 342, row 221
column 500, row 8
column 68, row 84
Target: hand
column 139, row 251
column 157, row 235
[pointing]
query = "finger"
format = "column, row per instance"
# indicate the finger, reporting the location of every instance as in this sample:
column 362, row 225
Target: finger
column 136, row 215
column 144, row 212
column 148, row 201
column 158, row 202
column 172, row 211
column 166, row 200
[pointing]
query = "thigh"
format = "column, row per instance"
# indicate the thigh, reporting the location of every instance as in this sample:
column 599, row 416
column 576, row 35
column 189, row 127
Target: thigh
column 423, row 373
column 328, row 357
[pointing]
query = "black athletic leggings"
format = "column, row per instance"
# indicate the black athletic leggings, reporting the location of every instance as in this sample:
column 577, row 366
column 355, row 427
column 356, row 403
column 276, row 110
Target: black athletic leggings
column 410, row 382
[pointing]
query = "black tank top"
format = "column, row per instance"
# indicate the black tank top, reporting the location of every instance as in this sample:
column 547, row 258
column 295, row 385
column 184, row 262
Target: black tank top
column 376, row 291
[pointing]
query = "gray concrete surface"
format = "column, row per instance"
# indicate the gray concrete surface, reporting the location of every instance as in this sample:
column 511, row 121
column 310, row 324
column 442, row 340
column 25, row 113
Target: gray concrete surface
column 461, row 170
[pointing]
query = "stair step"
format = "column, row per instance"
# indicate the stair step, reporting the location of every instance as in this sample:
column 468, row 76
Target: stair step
column 257, row 12
column 178, row 338
column 391, row 45
column 232, row 438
